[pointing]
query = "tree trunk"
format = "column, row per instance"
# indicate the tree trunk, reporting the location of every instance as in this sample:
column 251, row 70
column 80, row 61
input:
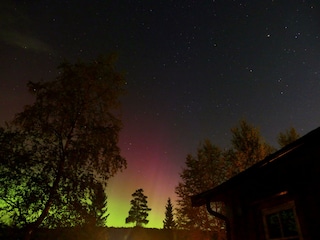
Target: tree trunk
column 29, row 232
column 33, row 226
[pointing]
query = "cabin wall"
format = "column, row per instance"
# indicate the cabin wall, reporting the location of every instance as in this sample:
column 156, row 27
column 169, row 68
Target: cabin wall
column 308, row 193
column 246, row 215
column 308, row 211
column 243, row 219
column 294, row 180
column 283, row 188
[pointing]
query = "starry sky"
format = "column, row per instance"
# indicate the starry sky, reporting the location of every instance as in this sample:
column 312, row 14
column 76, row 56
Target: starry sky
column 194, row 69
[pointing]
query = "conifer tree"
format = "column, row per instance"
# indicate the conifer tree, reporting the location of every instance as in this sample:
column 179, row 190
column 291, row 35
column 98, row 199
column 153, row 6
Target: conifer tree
column 168, row 222
column 139, row 209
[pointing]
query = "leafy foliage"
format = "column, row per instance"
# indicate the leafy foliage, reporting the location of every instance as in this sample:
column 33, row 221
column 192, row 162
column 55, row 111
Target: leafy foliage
column 248, row 147
column 287, row 137
column 20, row 188
column 202, row 172
column 168, row 222
column 138, row 212
column 211, row 167
column 66, row 146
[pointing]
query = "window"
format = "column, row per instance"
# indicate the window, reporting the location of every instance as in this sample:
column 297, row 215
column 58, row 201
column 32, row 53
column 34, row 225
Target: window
column 281, row 223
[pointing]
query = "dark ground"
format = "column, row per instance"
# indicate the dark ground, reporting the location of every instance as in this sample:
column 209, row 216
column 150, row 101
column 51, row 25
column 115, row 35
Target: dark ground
column 86, row 233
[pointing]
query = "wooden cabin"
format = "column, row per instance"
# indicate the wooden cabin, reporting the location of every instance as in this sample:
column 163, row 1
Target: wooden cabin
column 277, row 198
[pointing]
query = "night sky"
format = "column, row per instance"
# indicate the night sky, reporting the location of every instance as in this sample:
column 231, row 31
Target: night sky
column 194, row 69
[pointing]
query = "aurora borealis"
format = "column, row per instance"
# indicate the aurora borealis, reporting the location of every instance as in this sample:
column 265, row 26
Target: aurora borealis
column 193, row 70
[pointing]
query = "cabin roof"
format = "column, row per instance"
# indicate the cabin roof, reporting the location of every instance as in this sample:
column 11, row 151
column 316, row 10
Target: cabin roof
column 271, row 162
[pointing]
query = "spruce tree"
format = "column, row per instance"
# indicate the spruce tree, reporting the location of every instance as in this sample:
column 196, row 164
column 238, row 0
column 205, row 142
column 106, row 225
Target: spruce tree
column 168, row 222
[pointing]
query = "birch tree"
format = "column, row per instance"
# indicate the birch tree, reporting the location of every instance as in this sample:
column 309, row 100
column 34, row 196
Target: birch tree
column 72, row 131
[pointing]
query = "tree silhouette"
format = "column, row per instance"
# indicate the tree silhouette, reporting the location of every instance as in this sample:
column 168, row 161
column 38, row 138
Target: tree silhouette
column 168, row 222
column 211, row 167
column 248, row 147
column 202, row 172
column 139, row 209
column 287, row 137
column 18, row 193
column 71, row 133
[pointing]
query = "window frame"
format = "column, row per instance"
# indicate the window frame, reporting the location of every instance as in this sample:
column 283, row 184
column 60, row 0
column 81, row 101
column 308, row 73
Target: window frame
column 277, row 209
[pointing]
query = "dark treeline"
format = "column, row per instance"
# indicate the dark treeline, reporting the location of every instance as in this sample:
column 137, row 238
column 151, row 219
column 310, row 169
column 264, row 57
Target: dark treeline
column 98, row 233
column 59, row 153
